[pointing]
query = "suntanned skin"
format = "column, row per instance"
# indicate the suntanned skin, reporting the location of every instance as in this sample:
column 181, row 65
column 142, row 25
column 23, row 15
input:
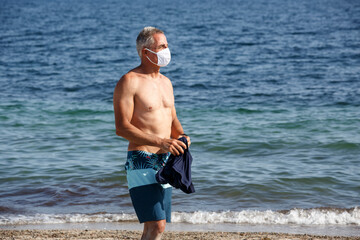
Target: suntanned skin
column 145, row 114
column 144, row 107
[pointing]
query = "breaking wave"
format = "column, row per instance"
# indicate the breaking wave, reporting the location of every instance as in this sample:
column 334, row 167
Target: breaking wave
column 317, row 216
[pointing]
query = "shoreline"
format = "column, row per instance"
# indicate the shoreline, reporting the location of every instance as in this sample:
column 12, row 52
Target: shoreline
column 132, row 230
column 168, row 235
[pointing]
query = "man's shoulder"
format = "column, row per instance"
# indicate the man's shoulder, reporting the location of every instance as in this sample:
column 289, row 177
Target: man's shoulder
column 164, row 77
column 128, row 82
column 166, row 80
column 131, row 75
column 131, row 78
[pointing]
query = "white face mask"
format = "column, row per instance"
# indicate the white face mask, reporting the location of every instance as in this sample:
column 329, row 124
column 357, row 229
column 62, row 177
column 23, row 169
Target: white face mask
column 163, row 56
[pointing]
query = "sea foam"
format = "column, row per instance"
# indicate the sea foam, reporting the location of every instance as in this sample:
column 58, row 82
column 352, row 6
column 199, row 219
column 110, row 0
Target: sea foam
column 294, row 216
column 318, row 216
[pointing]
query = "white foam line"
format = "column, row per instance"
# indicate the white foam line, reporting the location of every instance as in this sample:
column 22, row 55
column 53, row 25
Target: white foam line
column 295, row 216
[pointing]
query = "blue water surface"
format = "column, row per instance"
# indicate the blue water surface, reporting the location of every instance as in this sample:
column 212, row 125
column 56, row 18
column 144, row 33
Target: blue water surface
column 269, row 92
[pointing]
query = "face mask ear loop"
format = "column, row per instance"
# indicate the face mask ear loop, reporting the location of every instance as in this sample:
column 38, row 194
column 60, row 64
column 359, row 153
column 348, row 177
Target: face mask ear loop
column 150, row 51
column 150, row 59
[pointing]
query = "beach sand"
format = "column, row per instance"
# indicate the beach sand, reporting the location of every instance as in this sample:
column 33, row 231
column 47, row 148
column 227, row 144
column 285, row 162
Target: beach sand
column 170, row 235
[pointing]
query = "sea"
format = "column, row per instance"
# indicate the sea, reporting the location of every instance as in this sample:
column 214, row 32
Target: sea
column 268, row 91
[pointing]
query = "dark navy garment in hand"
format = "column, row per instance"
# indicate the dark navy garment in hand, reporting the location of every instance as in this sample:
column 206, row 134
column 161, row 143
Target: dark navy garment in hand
column 177, row 171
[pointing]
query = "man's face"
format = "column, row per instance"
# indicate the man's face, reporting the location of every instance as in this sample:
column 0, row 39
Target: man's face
column 160, row 42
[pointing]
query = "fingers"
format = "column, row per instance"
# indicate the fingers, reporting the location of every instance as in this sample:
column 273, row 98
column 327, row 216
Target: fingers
column 175, row 146
column 188, row 140
column 174, row 151
column 183, row 145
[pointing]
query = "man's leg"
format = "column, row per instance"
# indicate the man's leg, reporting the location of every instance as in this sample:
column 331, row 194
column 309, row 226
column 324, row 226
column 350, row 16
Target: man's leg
column 153, row 230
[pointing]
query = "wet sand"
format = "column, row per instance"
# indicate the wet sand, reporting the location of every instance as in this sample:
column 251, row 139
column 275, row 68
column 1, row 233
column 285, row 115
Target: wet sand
column 170, row 235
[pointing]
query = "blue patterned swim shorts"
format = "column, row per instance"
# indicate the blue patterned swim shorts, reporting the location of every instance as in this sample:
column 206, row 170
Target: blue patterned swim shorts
column 151, row 200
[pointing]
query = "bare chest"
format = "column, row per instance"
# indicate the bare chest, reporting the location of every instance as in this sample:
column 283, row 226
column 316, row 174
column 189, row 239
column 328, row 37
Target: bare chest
column 153, row 96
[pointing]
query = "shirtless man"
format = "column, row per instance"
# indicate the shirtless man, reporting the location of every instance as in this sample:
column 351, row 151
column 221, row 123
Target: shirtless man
column 145, row 115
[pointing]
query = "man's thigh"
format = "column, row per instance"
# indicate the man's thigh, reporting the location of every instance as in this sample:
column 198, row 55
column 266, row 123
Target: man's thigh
column 152, row 202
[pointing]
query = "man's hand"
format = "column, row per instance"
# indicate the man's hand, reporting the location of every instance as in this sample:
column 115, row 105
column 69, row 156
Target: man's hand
column 173, row 146
column 188, row 140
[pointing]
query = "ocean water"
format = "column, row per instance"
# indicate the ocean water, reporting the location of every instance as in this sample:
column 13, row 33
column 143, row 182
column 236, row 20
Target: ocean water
column 269, row 92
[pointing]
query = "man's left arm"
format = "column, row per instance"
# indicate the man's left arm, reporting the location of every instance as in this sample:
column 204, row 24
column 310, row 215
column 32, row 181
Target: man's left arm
column 177, row 130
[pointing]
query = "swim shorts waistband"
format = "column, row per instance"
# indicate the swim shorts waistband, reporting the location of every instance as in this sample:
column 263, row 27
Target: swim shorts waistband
column 143, row 160
column 142, row 166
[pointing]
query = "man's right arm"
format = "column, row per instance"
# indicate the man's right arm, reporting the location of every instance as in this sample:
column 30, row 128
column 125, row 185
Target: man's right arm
column 123, row 101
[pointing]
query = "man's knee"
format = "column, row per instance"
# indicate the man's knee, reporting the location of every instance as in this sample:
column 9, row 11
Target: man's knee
column 161, row 226
column 157, row 226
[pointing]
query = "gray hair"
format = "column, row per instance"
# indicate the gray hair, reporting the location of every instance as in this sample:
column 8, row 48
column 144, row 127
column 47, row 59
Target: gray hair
column 145, row 38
